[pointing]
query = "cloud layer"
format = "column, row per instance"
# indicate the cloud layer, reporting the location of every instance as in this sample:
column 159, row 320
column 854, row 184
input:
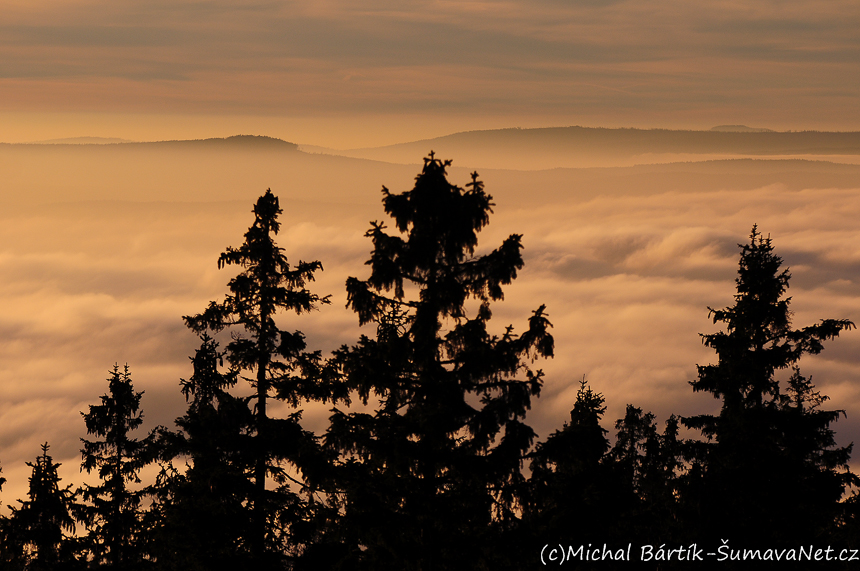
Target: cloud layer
column 627, row 62
column 103, row 250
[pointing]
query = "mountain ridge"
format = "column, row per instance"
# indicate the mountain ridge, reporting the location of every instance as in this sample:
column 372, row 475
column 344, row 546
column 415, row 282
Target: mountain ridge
column 576, row 146
column 257, row 141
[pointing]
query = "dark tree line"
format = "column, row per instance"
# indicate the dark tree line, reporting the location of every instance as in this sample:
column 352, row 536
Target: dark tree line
column 440, row 470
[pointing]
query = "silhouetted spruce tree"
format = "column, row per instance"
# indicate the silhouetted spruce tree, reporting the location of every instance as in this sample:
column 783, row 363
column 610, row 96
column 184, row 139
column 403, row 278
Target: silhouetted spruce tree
column 268, row 285
column 636, row 440
column 11, row 547
column 768, row 454
column 647, row 466
column 573, row 491
column 201, row 519
column 847, row 530
column 112, row 512
column 818, row 468
column 40, row 522
column 435, row 468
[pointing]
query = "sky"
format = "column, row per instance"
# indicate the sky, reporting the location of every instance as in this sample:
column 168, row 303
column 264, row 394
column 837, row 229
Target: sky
column 347, row 73
column 103, row 251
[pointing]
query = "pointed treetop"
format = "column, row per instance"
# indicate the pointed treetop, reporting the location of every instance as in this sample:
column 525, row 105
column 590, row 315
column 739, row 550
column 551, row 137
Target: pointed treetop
column 759, row 339
column 267, row 209
column 759, row 278
column 589, row 405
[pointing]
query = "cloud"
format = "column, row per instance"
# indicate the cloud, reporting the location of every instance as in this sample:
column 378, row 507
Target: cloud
column 635, row 61
column 629, row 308
column 104, row 249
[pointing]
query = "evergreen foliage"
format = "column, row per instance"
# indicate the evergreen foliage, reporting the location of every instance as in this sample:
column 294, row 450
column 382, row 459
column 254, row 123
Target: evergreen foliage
column 580, row 445
column 39, row 527
column 267, row 285
column 431, row 474
column 11, row 547
column 647, row 466
column 573, row 490
column 817, row 467
column 112, row 513
column 765, row 446
column 201, row 520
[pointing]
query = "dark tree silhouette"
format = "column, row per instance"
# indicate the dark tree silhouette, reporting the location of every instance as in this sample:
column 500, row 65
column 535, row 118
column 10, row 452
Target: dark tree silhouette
column 580, row 445
column 582, row 487
column 647, row 466
column 266, row 286
column 636, row 442
column 817, row 466
column 572, row 489
column 113, row 510
column 201, row 519
column 40, row 522
column 11, row 544
column 426, row 476
column 768, row 453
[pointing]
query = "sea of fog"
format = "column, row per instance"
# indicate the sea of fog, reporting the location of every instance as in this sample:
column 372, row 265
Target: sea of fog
column 104, row 247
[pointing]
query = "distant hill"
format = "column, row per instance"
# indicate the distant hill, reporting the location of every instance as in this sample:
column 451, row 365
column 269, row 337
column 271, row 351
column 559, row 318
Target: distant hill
column 588, row 146
column 740, row 129
column 250, row 142
column 240, row 168
column 83, row 141
column 255, row 142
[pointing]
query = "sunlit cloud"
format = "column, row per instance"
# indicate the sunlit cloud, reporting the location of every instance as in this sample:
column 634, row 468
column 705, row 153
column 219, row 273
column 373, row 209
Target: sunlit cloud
column 598, row 62
column 103, row 249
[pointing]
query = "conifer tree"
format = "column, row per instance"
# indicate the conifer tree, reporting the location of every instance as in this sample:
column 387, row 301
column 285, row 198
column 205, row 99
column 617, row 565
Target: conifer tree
column 201, row 519
column 573, row 489
column 636, row 440
column 581, row 444
column 113, row 512
column 818, row 468
column 750, row 489
column 437, row 465
column 11, row 547
column 41, row 520
column 647, row 466
column 281, row 367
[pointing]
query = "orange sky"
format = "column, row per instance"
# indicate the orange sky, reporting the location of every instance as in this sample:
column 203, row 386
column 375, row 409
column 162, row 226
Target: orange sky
column 344, row 73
